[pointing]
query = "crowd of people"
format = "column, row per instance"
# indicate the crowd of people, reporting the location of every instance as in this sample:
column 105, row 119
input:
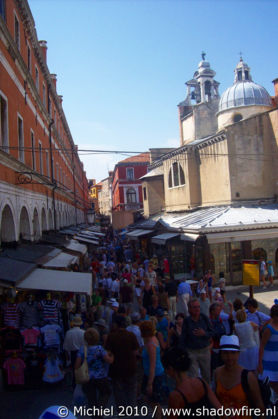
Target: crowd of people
column 150, row 338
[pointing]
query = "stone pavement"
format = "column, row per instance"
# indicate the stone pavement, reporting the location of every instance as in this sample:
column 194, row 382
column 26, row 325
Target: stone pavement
column 265, row 298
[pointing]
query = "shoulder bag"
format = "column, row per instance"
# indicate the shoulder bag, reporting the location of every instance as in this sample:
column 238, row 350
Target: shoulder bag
column 82, row 373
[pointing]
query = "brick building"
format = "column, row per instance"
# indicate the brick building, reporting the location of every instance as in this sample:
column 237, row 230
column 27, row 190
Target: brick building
column 43, row 185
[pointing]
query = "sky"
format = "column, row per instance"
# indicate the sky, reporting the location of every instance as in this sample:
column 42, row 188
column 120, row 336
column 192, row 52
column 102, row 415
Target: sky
column 121, row 65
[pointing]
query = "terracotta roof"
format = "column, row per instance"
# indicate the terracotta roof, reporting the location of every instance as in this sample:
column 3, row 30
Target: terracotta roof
column 139, row 158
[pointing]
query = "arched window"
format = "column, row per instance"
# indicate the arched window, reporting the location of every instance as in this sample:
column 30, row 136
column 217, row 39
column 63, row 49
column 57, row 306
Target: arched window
column 170, row 182
column 176, row 175
column 259, row 253
column 237, row 117
column 131, row 196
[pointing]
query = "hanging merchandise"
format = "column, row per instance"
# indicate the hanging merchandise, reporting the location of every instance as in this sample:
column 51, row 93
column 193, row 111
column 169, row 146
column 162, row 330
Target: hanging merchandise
column 31, row 336
column 52, row 369
column 29, row 312
column 14, row 367
column 50, row 310
column 51, row 335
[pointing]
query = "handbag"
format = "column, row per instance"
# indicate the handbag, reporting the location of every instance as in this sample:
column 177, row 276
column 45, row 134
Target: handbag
column 82, row 373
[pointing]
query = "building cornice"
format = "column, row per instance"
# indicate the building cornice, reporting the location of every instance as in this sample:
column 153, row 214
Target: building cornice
column 191, row 147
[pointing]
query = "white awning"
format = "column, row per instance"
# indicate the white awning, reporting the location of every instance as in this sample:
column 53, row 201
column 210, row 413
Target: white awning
column 75, row 246
column 51, row 280
column 63, row 260
column 189, row 237
column 243, row 235
column 96, row 233
column 133, row 235
column 85, row 240
column 162, row 238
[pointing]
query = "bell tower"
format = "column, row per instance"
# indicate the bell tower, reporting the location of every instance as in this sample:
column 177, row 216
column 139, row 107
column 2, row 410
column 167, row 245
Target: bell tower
column 197, row 113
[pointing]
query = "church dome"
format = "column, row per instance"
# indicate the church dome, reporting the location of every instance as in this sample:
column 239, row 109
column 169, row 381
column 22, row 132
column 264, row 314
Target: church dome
column 244, row 91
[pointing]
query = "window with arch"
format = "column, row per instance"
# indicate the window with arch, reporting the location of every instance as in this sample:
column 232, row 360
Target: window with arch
column 237, row 117
column 131, row 196
column 176, row 175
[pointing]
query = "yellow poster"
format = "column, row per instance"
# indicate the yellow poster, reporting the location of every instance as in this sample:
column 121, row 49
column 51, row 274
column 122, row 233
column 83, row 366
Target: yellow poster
column 250, row 272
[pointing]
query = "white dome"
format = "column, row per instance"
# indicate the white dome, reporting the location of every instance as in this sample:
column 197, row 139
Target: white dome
column 244, row 93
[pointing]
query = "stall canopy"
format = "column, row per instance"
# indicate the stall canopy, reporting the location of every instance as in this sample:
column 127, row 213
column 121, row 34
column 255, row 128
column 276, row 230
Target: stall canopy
column 12, row 271
column 85, row 240
column 33, row 253
column 75, row 246
column 46, row 279
column 189, row 237
column 162, row 238
column 96, row 233
column 63, row 260
column 133, row 235
column 88, row 236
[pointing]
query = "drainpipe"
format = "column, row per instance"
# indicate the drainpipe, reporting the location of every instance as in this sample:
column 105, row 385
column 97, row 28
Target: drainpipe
column 74, row 186
column 53, row 181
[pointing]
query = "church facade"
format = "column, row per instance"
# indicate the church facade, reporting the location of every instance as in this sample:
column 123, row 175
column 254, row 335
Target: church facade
column 221, row 184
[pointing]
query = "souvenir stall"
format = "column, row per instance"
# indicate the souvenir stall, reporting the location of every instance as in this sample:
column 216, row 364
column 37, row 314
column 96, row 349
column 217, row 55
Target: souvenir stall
column 35, row 314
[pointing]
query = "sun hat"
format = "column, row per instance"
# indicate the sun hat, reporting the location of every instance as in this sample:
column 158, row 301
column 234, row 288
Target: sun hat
column 115, row 304
column 229, row 343
column 76, row 321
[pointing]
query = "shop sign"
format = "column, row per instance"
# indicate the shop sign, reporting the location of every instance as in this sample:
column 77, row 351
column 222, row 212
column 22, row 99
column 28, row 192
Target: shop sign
column 251, row 272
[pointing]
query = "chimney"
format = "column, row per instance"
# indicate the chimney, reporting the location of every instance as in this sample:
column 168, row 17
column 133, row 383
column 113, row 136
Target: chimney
column 43, row 45
column 60, row 99
column 54, row 80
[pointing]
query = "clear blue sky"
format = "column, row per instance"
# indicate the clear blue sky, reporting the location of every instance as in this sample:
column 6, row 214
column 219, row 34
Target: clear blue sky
column 122, row 64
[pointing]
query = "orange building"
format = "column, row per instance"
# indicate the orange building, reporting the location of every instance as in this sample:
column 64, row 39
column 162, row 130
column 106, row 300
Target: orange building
column 43, row 185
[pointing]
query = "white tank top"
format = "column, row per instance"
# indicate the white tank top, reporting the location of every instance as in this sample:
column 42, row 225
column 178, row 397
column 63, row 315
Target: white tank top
column 246, row 335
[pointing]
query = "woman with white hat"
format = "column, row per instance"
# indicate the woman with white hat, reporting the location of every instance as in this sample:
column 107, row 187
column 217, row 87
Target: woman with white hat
column 228, row 379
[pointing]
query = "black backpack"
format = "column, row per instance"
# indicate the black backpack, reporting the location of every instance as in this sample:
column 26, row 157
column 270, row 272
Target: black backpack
column 264, row 388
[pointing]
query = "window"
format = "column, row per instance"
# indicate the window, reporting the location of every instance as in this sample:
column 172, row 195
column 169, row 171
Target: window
column 16, row 32
column 176, row 176
column 37, row 77
column 131, row 196
column 237, row 117
column 239, row 75
column 40, row 158
column 246, row 73
column 50, row 108
column 47, row 163
column 3, row 123
column 145, row 193
column 43, row 94
column 29, row 57
column 33, row 151
column 2, row 9
column 20, row 139
column 130, row 173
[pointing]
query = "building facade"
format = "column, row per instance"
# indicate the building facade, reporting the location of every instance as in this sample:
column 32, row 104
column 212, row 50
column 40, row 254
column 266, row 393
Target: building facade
column 105, row 196
column 126, row 184
column 43, row 185
column 228, row 159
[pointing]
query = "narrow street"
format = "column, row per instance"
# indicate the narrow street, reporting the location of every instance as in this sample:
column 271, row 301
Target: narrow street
column 31, row 403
